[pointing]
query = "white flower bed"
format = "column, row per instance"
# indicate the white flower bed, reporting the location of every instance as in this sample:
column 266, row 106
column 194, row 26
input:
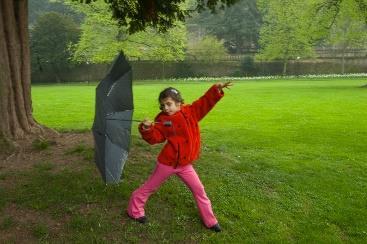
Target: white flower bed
column 363, row 75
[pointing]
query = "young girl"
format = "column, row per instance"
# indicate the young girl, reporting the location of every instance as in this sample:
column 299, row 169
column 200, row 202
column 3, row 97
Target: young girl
column 177, row 125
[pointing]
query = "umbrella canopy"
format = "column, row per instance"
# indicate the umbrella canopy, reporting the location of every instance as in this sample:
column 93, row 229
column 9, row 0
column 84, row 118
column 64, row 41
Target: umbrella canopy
column 112, row 120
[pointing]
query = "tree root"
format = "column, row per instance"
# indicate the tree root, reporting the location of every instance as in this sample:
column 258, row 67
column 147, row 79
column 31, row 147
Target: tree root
column 10, row 147
column 7, row 146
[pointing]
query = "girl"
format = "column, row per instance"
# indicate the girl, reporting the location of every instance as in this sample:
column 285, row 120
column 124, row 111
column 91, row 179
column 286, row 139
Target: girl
column 177, row 125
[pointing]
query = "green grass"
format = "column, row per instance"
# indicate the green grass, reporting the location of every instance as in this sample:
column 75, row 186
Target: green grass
column 282, row 161
column 86, row 152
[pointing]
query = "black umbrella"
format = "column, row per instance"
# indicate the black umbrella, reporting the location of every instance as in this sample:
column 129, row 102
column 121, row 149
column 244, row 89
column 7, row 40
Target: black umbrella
column 112, row 120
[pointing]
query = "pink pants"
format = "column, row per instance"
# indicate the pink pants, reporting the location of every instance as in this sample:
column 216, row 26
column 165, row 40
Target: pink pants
column 188, row 175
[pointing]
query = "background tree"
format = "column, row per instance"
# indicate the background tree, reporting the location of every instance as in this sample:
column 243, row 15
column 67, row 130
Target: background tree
column 51, row 38
column 237, row 25
column 208, row 50
column 102, row 38
column 348, row 30
column 15, row 88
column 329, row 10
column 285, row 33
column 38, row 8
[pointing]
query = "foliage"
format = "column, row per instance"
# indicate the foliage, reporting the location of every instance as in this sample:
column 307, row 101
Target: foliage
column 285, row 33
column 207, row 50
column 38, row 8
column 102, row 38
column 237, row 25
column 51, row 38
column 328, row 10
column 348, row 30
column 136, row 15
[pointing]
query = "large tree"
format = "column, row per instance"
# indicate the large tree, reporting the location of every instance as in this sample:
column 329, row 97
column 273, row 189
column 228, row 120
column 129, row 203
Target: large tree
column 15, row 74
column 291, row 27
column 348, row 31
column 330, row 9
column 101, row 38
column 15, row 89
column 285, row 34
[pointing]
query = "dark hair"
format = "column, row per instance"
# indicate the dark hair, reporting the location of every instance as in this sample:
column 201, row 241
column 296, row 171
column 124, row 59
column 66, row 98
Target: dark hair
column 172, row 93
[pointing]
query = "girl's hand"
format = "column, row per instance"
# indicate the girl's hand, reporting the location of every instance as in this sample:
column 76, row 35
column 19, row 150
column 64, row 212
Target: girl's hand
column 147, row 124
column 221, row 85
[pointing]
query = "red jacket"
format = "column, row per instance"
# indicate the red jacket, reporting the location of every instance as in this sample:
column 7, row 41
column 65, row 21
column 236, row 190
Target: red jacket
column 181, row 130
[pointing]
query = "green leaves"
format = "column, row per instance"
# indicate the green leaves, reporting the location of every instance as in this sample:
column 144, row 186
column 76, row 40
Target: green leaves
column 349, row 30
column 208, row 50
column 237, row 25
column 102, row 38
column 51, row 37
column 137, row 15
column 285, row 33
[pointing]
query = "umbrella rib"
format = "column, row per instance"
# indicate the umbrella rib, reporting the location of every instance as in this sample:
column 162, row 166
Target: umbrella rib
column 114, row 179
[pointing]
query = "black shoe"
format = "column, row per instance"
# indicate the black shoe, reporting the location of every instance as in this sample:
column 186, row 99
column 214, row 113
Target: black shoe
column 216, row 228
column 141, row 220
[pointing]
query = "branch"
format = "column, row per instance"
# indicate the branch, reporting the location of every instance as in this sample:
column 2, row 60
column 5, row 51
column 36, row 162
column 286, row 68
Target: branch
column 362, row 8
column 327, row 6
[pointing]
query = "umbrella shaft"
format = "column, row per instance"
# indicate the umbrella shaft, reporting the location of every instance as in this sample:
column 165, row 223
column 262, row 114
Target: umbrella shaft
column 130, row 120
column 167, row 123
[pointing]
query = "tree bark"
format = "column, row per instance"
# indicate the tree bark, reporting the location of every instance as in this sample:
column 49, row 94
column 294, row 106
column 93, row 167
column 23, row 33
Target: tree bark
column 15, row 72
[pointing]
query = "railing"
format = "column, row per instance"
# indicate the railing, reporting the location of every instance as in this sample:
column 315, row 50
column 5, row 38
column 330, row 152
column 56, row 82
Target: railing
column 319, row 53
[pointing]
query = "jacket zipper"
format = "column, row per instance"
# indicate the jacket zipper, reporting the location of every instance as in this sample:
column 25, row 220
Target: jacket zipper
column 178, row 155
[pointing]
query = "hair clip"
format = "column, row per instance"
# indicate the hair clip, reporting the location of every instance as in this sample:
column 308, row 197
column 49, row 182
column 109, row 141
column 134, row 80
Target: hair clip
column 174, row 91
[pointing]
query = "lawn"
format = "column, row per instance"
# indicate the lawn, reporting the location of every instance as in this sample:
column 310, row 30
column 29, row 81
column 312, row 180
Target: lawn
column 282, row 161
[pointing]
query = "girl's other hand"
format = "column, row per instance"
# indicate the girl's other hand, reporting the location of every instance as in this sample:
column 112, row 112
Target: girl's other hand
column 147, row 124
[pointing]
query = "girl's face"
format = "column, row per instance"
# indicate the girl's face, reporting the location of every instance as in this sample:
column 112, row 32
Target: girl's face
column 170, row 106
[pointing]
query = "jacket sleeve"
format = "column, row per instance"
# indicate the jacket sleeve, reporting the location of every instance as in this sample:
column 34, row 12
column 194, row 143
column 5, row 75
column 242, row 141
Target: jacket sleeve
column 205, row 103
column 153, row 135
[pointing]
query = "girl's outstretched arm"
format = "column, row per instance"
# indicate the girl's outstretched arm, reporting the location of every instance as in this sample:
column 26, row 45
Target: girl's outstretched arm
column 205, row 103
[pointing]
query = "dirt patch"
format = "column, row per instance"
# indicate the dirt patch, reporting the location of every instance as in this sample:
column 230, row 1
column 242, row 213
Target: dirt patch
column 58, row 156
column 26, row 225
column 22, row 225
column 54, row 151
column 70, row 151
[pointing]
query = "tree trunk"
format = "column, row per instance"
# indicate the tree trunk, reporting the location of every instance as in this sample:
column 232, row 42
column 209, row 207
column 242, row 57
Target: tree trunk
column 15, row 72
column 285, row 62
column 343, row 61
